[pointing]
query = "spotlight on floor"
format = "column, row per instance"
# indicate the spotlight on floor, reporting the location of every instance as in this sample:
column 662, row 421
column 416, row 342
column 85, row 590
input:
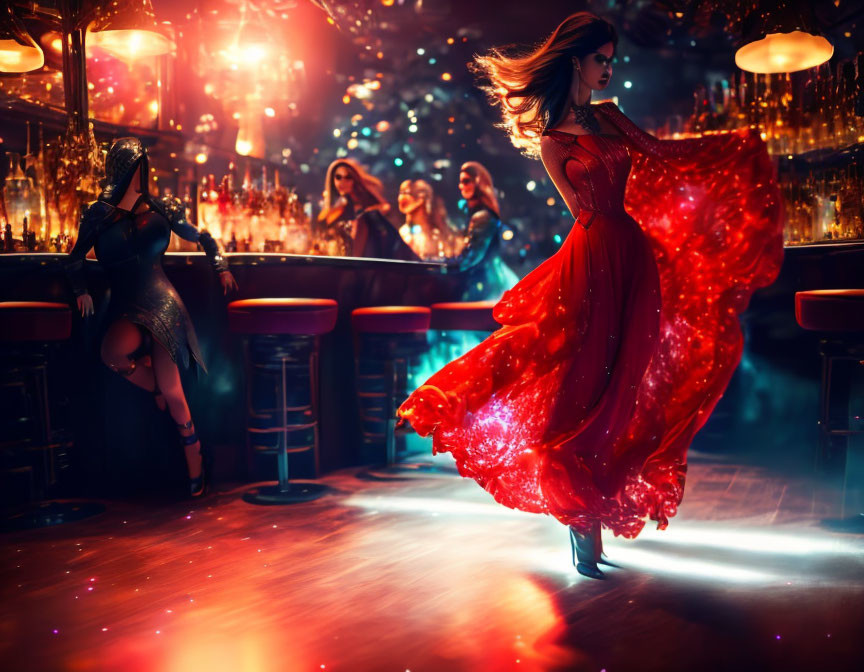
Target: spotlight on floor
column 806, row 541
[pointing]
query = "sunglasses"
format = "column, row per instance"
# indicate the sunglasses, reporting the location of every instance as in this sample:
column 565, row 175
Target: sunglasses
column 466, row 180
column 339, row 177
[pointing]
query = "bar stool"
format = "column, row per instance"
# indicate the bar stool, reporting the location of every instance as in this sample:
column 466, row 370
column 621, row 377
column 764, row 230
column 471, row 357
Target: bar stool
column 839, row 315
column 29, row 330
column 282, row 347
column 386, row 340
column 464, row 316
column 455, row 328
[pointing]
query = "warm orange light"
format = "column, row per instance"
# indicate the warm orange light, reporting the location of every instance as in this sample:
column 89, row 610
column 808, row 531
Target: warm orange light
column 17, row 58
column 128, row 30
column 246, row 55
column 18, row 50
column 201, row 158
column 359, row 91
column 250, row 134
column 52, row 40
column 784, row 52
column 131, row 44
column 446, row 76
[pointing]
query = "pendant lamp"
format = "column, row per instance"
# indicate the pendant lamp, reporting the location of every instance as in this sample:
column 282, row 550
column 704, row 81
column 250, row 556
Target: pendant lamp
column 781, row 36
column 18, row 50
column 127, row 29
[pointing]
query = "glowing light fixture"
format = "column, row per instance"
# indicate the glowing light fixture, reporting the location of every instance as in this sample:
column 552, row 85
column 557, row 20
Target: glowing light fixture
column 250, row 134
column 781, row 37
column 52, row 40
column 128, row 29
column 18, row 50
column 784, row 52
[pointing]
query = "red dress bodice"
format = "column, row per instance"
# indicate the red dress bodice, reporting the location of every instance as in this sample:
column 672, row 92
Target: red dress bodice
column 589, row 171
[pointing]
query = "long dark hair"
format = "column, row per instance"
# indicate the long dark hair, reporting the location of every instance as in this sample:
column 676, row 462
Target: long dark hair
column 367, row 188
column 484, row 190
column 532, row 88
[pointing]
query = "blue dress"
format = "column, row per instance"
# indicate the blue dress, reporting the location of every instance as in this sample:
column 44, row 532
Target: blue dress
column 487, row 276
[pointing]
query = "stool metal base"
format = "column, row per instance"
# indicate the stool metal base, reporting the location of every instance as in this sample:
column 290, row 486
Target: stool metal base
column 47, row 514
column 413, row 465
column 406, row 471
column 296, row 493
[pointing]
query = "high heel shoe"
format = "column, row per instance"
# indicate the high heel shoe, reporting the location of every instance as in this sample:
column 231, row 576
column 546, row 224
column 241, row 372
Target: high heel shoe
column 200, row 485
column 601, row 555
column 586, row 553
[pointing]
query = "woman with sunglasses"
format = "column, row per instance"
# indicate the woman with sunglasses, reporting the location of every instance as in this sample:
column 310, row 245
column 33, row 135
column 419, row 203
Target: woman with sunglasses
column 425, row 230
column 353, row 214
column 488, row 277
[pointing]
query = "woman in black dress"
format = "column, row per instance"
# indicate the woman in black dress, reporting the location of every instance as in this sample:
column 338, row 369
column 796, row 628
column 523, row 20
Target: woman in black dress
column 149, row 330
column 353, row 212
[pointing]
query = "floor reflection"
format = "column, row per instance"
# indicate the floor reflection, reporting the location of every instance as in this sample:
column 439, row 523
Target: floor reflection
column 431, row 575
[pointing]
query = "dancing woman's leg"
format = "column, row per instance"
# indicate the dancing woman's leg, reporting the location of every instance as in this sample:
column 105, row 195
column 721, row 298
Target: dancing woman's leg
column 587, row 548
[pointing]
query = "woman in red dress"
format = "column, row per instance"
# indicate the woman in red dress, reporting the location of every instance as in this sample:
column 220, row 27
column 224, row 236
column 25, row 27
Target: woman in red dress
column 614, row 351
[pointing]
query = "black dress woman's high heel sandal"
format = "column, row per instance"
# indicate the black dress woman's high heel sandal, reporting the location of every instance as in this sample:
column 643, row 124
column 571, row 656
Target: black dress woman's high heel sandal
column 199, row 486
column 587, row 552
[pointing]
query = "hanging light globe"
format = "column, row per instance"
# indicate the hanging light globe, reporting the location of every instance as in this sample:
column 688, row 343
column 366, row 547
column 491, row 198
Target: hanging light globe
column 18, row 50
column 782, row 37
column 127, row 29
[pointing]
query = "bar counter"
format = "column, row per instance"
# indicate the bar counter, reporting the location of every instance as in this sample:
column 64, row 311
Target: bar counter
column 118, row 424
column 117, row 421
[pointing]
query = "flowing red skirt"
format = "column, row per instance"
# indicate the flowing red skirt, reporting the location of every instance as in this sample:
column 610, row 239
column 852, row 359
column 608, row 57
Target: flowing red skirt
column 614, row 351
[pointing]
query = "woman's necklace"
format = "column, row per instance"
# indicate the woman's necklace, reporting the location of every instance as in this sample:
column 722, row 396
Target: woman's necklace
column 584, row 116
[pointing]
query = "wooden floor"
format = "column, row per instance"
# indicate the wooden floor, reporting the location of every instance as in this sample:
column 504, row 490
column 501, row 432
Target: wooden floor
column 430, row 575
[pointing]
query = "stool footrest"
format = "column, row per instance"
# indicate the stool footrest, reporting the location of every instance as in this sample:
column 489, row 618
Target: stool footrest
column 280, row 428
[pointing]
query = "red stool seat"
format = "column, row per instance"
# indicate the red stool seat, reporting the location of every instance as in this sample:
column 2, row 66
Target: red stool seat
column 391, row 319
column 34, row 321
column 282, row 316
column 830, row 309
column 464, row 316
